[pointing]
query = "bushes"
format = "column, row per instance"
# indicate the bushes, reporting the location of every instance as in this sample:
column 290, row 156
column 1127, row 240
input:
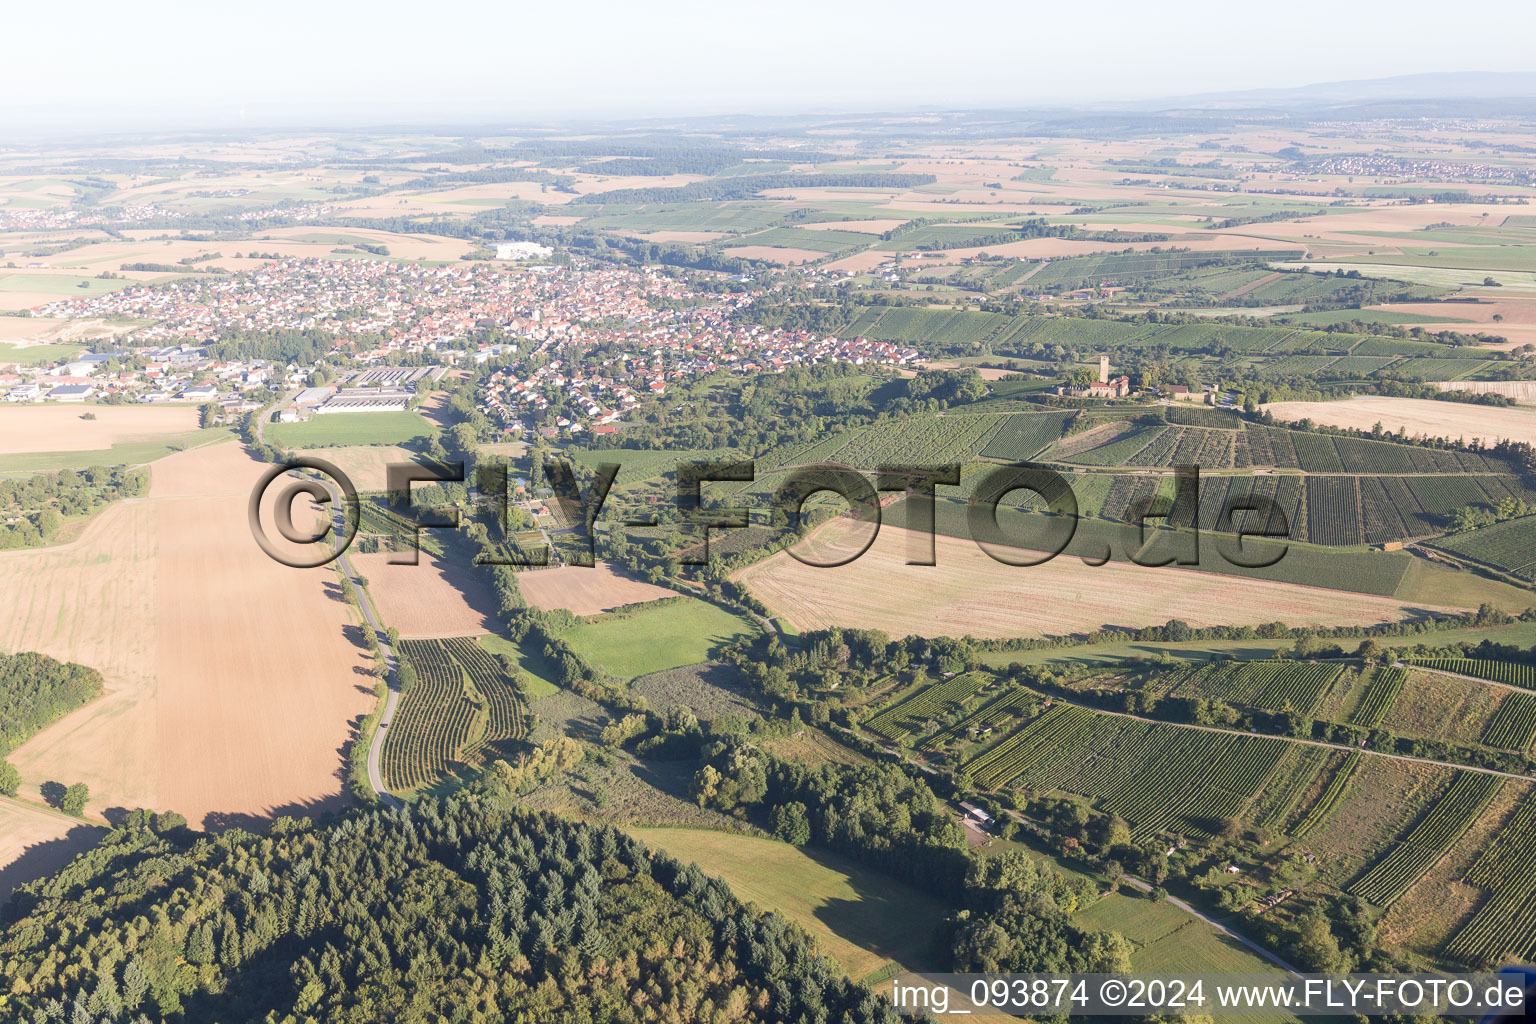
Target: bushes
column 35, row 689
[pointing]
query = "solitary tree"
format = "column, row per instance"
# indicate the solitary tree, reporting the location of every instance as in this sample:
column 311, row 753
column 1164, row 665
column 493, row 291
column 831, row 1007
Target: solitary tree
column 74, row 799
column 10, row 778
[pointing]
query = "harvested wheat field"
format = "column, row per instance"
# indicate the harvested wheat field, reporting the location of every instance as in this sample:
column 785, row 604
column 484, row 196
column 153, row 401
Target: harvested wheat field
column 968, row 592
column 434, row 598
column 691, row 237
column 59, row 428
column 868, row 227
column 859, row 262
column 35, row 842
column 773, row 253
column 1422, row 417
column 586, row 591
column 233, row 681
column 366, row 465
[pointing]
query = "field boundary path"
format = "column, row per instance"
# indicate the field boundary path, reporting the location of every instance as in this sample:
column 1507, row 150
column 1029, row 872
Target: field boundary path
column 1188, row 908
column 391, row 666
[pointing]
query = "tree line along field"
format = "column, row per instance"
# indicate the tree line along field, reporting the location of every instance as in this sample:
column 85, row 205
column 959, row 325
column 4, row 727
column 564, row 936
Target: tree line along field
column 463, row 708
column 1004, row 334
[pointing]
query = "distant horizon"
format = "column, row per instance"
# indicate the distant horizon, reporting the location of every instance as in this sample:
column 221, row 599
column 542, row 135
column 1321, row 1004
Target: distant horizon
column 166, row 66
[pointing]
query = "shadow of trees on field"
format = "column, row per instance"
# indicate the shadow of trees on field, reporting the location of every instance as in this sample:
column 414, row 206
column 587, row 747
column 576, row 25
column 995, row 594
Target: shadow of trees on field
column 41, row 859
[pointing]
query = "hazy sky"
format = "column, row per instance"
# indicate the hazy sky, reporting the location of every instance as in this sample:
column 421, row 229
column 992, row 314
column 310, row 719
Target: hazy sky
column 139, row 64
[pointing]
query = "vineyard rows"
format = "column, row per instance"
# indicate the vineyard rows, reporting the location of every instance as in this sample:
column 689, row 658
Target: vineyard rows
column 1513, row 725
column 1504, row 927
column 1511, row 672
column 1510, row 546
column 1024, row 435
column 920, row 440
column 1260, row 684
column 439, row 723
column 1451, row 816
column 1333, row 511
column 1159, row 777
column 1187, row 446
column 506, row 721
column 1292, row 777
column 1381, row 690
column 1330, row 798
column 928, row 704
column 991, row 714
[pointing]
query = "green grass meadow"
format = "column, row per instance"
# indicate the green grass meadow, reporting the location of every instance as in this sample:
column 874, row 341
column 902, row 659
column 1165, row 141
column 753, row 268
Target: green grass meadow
column 351, row 428
column 862, row 918
column 651, row 639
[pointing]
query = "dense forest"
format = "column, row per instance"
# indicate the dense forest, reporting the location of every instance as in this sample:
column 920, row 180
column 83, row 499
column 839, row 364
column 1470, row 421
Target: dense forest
column 458, row 910
column 35, row 689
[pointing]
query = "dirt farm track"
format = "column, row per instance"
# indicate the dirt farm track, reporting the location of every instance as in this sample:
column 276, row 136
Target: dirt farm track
column 233, row 681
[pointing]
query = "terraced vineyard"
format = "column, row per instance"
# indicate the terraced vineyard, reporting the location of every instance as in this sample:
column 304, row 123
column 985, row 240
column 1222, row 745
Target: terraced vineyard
column 1159, row 777
column 931, row 702
column 1329, row 800
column 1513, row 725
column 461, row 706
column 1260, row 684
column 1511, row 672
column 1381, row 689
column 1451, row 815
column 1504, row 927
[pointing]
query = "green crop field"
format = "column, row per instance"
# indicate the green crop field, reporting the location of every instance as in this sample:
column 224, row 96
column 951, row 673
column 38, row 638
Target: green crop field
column 650, row 639
column 538, row 673
column 63, row 285
column 351, row 428
column 828, row 241
column 36, row 355
column 863, row 919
